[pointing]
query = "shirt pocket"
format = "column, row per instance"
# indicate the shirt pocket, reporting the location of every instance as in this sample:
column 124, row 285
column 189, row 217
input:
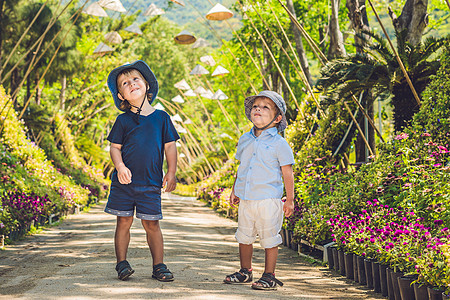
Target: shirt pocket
column 269, row 155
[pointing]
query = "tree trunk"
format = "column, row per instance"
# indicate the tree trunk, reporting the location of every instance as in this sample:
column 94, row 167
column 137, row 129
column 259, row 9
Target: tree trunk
column 358, row 19
column 336, row 39
column 62, row 94
column 267, row 67
column 299, row 44
column 2, row 2
column 414, row 19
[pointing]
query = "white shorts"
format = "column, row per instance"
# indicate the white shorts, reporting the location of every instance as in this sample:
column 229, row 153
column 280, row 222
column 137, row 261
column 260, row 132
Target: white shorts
column 260, row 217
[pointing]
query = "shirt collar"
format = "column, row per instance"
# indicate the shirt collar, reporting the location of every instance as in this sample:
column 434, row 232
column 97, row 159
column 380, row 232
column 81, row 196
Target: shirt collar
column 270, row 131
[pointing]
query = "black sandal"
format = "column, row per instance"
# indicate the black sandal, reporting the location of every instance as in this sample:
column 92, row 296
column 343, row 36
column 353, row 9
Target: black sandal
column 267, row 282
column 162, row 273
column 243, row 276
column 124, row 270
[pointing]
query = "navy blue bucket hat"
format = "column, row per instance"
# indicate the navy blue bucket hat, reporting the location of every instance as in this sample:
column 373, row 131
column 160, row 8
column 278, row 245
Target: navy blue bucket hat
column 144, row 69
column 276, row 98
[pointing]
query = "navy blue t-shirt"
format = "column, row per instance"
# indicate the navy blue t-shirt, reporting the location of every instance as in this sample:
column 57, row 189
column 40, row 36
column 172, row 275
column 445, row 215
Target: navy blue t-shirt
column 143, row 145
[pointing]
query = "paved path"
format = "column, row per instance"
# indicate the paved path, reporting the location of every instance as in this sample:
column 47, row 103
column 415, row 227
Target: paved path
column 75, row 260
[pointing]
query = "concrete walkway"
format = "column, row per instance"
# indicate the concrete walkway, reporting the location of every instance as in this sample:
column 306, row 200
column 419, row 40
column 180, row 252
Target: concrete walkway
column 75, row 260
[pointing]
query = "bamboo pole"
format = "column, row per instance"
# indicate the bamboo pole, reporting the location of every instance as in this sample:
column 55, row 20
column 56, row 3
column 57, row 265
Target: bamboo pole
column 359, row 128
column 274, row 60
column 405, row 73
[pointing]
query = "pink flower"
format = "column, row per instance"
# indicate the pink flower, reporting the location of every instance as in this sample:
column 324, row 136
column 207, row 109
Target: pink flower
column 401, row 136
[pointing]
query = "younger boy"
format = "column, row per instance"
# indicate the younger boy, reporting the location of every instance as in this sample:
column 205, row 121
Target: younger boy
column 265, row 160
column 139, row 139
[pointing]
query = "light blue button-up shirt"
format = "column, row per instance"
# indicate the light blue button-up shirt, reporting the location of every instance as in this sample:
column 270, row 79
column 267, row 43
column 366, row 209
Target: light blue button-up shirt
column 261, row 158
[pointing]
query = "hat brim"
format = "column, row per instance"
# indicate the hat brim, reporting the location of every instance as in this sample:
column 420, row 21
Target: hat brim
column 146, row 72
column 248, row 103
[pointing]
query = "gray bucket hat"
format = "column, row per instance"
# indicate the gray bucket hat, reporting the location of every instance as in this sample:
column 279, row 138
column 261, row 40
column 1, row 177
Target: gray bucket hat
column 144, row 69
column 276, row 98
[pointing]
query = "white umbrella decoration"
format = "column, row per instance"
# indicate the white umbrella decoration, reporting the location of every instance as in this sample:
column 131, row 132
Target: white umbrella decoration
column 179, row 128
column 208, row 59
column 208, row 94
column 184, row 38
column 102, row 48
column 200, row 90
column 182, row 85
column 188, row 121
column 190, row 93
column 219, row 95
column 115, row 5
column 159, row 106
column 179, row 2
column 177, row 144
column 95, row 10
column 182, row 155
column 219, row 13
column 199, row 70
column 220, row 71
column 134, row 28
column 177, row 118
column 200, row 42
column 113, row 37
column 178, row 99
column 153, row 10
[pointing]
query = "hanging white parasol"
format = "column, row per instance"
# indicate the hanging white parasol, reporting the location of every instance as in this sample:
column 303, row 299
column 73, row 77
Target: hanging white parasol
column 177, row 144
column 153, row 10
column 225, row 135
column 177, row 118
column 200, row 90
column 178, row 99
column 208, row 59
column 102, row 48
column 159, row 106
column 190, row 93
column 179, row 2
column 113, row 37
column 219, row 13
column 179, row 128
column 200, row 42
column 199, row 70
column 219, row 95
column 134, row 28
column 220, row 71
column 95, row 10
column 184, row 38
column 182, row 155
column 182, row 85
column 208, row 94
column 115, row 5
column 188, row 121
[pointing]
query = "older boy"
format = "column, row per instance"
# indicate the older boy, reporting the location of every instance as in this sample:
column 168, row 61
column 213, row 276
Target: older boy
column 139, row 139
column 265, row 160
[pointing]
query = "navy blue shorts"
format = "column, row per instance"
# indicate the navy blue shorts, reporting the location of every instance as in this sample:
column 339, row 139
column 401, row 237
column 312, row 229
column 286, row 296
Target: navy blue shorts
column 124, row 198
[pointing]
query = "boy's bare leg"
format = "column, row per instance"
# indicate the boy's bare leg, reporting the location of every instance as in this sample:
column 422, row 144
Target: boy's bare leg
column 245, row 255
column 122, row 237
column 154, row 240
column 271, row 260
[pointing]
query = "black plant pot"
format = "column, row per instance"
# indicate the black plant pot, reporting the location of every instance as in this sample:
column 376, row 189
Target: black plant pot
column 383, row 280
column 330, row 257
column 348, row 257
column 361, row 271
column 336, row 259
column 341, row 262
column 368, row 270
column 420, row 292
column 395, row 287
column 434, row 293
column 389, row 284
column 445, row 296
column 283, row 237
column 376, row 277
column 288, row 238
column 406, row 288
column 355, row 268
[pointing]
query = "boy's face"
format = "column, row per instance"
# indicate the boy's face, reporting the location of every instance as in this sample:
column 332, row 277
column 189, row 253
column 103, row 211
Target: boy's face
column 132, row 87
column 263, row 111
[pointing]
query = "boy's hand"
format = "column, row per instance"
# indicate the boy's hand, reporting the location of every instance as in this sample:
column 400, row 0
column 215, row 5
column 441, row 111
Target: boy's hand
column 169, row 182
column 288, row 207
column 124, row 175
column 234, row 199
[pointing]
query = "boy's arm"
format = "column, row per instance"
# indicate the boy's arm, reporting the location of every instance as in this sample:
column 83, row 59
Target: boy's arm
column 169, row 180
column 288, row 177
column 123, row 173
column 233, row 198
